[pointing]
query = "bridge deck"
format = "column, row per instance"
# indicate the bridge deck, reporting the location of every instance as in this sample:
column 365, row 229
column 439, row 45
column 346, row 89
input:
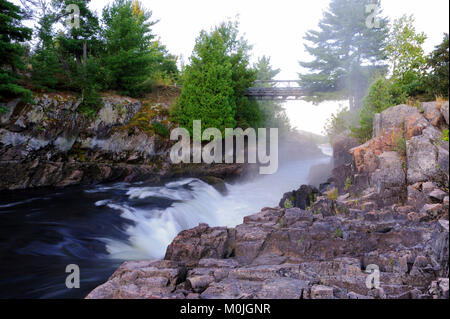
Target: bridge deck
column 276, row 90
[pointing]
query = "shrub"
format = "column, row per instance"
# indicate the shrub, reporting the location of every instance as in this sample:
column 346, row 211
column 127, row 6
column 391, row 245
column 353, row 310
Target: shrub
column 333, row 194
column 445, row 137
column 400, row 146
column 338, row 233
column 91, row 102
column 382, row 94
column 338, row 123
column 160, row 129
column 348, row 183
column 288, row 204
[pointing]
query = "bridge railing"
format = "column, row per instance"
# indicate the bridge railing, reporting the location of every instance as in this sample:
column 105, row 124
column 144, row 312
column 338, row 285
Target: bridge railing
column 277, row 83
column 276, row 90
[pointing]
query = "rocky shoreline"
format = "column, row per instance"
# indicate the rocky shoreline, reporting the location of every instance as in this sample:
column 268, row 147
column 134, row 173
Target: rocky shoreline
column 386, row 205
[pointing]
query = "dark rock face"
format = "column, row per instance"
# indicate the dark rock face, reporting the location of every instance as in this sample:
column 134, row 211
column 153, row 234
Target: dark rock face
column 301, row 198
column 51, row 144
column 341, row 146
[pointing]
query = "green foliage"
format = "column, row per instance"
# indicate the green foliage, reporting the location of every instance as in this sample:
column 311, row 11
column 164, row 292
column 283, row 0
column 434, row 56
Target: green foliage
column 406, row 56
column 338, row 233
column 400, row 143
column 128, row 55
column 333, row 194
column 288, row 204
column 272, row 112
column 438, row 61
column 445, row 135
column 338, row 123
column 207, row 93
column 405, row 51
column 348, row 183
column 248, row 113
column 165, row 71
column 408, row 79
column 12, row 33
column 91, row 101
column 160, row 129
column 215, row 83
column 280, row 223
column 382, row 94
column 121, row 57
column 45, row 69
column 346, row 52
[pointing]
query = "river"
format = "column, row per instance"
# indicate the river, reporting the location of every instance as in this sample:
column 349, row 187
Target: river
column 99, row 227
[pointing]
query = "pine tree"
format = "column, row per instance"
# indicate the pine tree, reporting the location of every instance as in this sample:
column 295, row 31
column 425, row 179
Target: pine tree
column 45, row 62
column 78, row 41
column 346, row 52
column 128, row 39
column 12, row 33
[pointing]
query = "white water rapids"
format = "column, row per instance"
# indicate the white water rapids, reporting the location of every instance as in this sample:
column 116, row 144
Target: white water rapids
column 194, row 202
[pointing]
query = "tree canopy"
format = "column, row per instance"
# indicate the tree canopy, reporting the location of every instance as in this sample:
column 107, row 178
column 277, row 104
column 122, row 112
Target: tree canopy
column 12, row 33
column 346, row 52
column 216, row 80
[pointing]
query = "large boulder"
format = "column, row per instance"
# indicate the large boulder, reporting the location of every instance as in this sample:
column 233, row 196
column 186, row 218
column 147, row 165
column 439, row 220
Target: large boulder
column 392, row 119
column 390, row 179
column 432, row 112
column 342, row 144
column 415, row 124
column 292, row 254
column 301, row 198
column 366, row 156
column 142, row 280
column 422, row 160
column 201, row 242
column 444, row 111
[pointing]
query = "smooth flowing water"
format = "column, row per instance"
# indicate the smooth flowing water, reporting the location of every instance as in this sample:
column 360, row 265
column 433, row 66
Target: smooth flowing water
column 97, row 228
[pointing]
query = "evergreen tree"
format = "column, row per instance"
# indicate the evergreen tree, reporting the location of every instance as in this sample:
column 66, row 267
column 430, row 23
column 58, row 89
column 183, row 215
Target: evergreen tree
column 207, row 93
column 248, row 113
column 12, row 33
column 274, row 115
column 165, row 67
column 128, row 39
column 78, row 41
column 216, row 81
column 346, row 51
column 438, row 80
column 45, row 62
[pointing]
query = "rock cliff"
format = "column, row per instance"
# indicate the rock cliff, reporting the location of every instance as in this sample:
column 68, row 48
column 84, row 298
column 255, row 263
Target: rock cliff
column 51, row 143
column 384, row 208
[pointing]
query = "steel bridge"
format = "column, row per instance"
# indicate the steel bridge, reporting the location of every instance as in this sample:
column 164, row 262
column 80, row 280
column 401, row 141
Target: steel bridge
column 283, row 90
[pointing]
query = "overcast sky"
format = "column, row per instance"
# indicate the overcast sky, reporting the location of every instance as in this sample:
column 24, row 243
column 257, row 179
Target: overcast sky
column 276, row 28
